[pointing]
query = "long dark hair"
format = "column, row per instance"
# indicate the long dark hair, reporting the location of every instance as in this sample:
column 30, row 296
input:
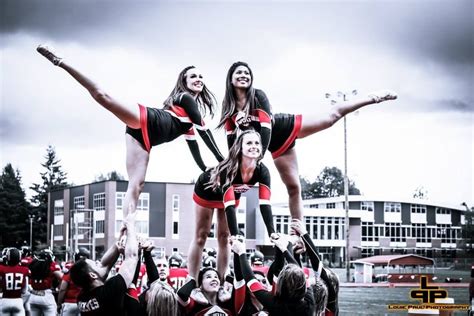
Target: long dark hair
column 291, row 285
column 40, row 267
column 206, row 99
column 229, row 102
column 230, row 166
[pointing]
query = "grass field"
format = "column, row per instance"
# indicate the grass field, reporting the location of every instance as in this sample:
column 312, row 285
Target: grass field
column 374, row 301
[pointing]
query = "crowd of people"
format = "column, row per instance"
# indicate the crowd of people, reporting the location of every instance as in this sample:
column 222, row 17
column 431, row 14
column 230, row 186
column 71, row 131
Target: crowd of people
column 129, row 280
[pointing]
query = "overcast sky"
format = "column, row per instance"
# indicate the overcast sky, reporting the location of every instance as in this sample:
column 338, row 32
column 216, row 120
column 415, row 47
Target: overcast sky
column 298, row 51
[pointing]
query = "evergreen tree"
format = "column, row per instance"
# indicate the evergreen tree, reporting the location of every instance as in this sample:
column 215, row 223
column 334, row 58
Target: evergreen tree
column 329, row 183
column 14, row 230
column 53, row 179
column 113, row 176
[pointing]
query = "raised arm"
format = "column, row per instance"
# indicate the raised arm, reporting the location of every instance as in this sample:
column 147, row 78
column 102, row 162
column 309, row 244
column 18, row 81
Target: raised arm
column 229, row 204
column 263, row 296
column 265, row 118
column 190, row 106
column 108, row 260
column 264, row 195
column 194, row 148
column 151, row 270
column 127, row 269
column 300, row 230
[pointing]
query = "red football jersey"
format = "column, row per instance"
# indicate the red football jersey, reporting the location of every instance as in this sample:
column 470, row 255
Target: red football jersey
column 46, row 283
column 13, row 280
column 26, row 261
column 177, row 277
column 72, row 290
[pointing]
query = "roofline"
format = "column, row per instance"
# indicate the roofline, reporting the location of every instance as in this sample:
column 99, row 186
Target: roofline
column 411, row 255
column 395, row 257
column 91, row 183
column 389, row 198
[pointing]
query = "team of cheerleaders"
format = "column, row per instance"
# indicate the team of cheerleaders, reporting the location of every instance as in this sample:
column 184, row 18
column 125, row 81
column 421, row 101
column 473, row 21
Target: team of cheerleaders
column 252, row 130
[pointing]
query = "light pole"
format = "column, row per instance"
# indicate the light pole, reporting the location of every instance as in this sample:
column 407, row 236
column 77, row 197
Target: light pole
column 343, row 95
column 31, row 217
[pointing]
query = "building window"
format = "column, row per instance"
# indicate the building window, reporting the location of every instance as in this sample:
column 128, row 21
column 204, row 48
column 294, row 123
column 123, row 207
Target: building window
column 98, row 202
column 58, row 207
column 142, row 227
column 419, row 209
column 58, row 230
column 392, row 207
column 367, row 252
column 175, row 228
column 79, row 202
column 313, row 206
column 446, row 233
column 119, row 198
column 308, row 225
column 420, row 232
column 100, row 227
column 143, row 203
column 175, row 201
column 282, row 224
column 315, row 227
column 394, row 232
column 367, row 206
column 159, row 252
column 440, row 210
column 369, row 232
column 323, row 227
column 330, row 205
column 241, row 227
column 118, row 225
column 330, row 227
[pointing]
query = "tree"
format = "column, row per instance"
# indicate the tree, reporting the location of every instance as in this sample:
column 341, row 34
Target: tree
column 13, row 209
column 329, row 183
column 113, row 175
column 420, row 193
column 53, row 179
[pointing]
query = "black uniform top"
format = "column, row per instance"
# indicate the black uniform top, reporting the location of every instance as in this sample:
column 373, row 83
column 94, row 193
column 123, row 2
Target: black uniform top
column 106, row 299
column 229, row 308
column 260, row 119
column 275, row 306
column 158, row 126
column 227, row 197
column 328, row 277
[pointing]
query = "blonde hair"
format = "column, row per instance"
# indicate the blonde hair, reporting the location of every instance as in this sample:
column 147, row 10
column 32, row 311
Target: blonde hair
column 161, row 300
column 226, row 170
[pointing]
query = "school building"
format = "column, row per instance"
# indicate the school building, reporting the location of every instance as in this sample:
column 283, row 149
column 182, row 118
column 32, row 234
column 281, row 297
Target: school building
column 90, row 216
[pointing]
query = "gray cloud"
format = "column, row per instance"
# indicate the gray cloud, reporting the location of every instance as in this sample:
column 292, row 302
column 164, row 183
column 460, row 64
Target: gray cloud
column 435, row 30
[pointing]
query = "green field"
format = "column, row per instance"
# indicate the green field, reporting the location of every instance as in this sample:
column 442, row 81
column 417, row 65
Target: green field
column 374, row 301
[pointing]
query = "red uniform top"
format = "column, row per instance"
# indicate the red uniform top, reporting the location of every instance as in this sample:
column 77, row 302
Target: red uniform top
column 47, row 282
column 72, row 290
column 177, row 277
column 26, row 261
column 13, row 280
